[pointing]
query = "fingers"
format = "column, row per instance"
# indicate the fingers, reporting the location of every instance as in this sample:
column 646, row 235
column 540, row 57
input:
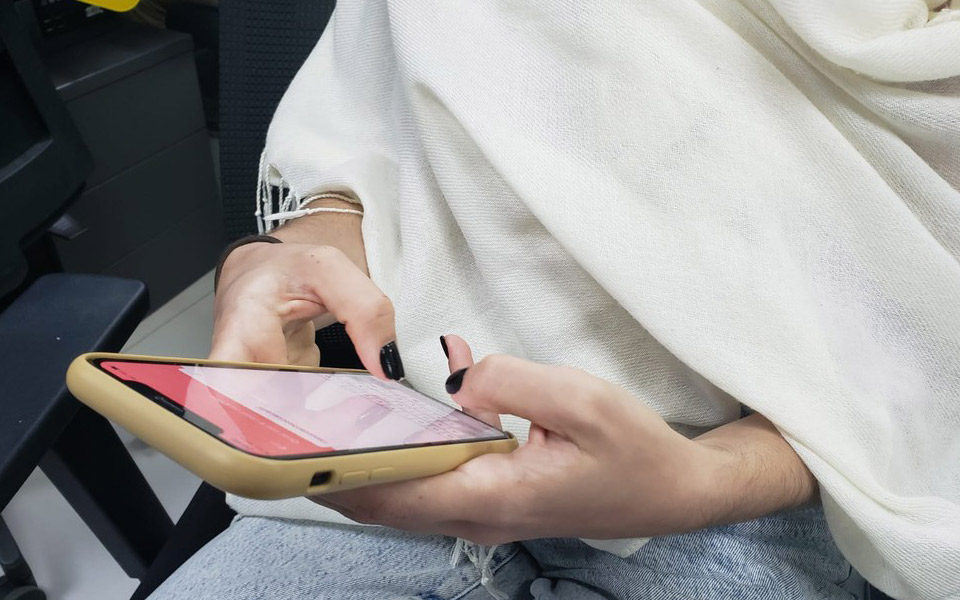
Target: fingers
column 458, row 352
column 536, row 435
column 459, row 356
column 353, row 299
column 563, row 400
column 270, row 294
column 301, row 344
column 422, row 504
column 474, row 531
column 256, row 336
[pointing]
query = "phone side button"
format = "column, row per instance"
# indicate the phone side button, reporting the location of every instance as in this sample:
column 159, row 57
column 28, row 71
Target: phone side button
column 354, row 477
column 383, row 474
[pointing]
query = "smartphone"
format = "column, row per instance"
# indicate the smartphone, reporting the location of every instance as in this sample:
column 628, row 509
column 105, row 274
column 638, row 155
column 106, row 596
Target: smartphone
column 272, row 431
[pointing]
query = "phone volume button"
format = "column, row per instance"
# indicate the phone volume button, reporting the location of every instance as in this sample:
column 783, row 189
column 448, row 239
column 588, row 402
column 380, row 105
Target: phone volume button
column 354, row 477
column 384, row 474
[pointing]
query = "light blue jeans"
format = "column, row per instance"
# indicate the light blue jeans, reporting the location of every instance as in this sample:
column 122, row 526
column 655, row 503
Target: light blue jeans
column 790, row 556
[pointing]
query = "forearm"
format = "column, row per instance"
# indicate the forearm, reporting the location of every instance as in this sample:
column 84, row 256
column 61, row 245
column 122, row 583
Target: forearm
column 340, row 230
column 750, row 472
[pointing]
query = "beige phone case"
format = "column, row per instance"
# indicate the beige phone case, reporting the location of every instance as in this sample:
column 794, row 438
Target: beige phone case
column 238, row 472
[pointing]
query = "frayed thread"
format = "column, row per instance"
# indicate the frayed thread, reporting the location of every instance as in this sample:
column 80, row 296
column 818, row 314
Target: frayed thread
column 278, row 202
column 482, row 558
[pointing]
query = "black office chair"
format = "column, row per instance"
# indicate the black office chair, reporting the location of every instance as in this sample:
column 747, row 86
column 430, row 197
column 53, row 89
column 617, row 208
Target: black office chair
column 46, row 319
column 202, row 23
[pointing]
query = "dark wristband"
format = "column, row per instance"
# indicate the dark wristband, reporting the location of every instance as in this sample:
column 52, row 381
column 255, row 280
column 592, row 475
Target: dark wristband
column 250, row 239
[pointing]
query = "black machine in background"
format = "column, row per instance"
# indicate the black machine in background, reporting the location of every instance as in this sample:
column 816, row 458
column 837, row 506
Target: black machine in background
column 43, row 161
column 56, row 24
column 262, row 45
column 150, row 209
column 48, row 318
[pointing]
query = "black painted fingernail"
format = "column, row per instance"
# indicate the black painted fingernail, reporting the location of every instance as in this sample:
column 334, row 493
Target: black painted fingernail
column 455, row 381
column 443, row 344
column 390, row 361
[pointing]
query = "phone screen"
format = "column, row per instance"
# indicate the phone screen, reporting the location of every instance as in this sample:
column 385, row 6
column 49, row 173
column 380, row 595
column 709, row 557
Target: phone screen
column 296, row 414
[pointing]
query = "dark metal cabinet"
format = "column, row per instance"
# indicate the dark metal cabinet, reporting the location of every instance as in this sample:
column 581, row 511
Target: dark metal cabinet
column 151, row 208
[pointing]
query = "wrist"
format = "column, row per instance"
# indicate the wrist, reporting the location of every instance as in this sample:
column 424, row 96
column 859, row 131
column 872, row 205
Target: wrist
column 676, row 488
column 698, row 503
column 703, row 483
column 314, row 228
column 713, row 484
column 748, row 470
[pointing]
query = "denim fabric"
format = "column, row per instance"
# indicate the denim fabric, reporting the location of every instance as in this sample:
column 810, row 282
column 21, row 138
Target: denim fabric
column 784, row 557
column 789, row 556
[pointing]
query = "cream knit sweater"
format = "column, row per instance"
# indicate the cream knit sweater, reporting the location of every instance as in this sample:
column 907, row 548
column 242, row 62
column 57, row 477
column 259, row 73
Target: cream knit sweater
column 707, row 203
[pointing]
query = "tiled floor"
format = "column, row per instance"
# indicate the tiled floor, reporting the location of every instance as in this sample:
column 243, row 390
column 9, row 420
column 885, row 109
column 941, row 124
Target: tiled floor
column 68, row 561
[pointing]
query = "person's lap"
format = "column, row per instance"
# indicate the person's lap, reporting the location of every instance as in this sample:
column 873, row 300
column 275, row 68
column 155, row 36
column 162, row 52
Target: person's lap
column 789, row 556
column 278, row 559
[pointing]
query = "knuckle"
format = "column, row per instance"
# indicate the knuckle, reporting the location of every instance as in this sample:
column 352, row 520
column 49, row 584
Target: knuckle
column 591, row 391
column 375, row 308
column 383, row 308
column 238, row 258
column 492, row 369
column 488, row 380
column 323, row 254
column 590, row 395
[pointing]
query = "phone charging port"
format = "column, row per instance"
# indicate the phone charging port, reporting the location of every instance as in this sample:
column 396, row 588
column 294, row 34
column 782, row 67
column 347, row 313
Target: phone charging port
column 321, row 478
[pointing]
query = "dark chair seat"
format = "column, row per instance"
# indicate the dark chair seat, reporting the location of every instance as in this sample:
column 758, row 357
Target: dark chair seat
column 47, row 321
column 57, row 318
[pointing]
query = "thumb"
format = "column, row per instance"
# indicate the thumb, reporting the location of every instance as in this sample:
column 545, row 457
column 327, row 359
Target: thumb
column 564, row 400
column 459, row 357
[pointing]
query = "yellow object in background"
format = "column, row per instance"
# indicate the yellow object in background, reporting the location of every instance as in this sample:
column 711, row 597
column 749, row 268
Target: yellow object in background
column 114, row 5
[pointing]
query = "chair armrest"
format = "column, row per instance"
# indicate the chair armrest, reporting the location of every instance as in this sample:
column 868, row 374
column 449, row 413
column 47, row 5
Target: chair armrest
column 57, row 318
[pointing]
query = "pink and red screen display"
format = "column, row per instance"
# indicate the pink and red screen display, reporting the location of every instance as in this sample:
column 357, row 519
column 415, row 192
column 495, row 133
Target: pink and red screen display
column 291, row 413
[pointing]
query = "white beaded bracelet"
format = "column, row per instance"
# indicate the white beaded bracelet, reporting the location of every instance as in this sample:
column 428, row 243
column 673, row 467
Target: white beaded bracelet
column 300, row 211
column 294, row 214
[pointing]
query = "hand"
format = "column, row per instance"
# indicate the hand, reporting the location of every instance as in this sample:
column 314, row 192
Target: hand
column 598, row 464
column 270, row 295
